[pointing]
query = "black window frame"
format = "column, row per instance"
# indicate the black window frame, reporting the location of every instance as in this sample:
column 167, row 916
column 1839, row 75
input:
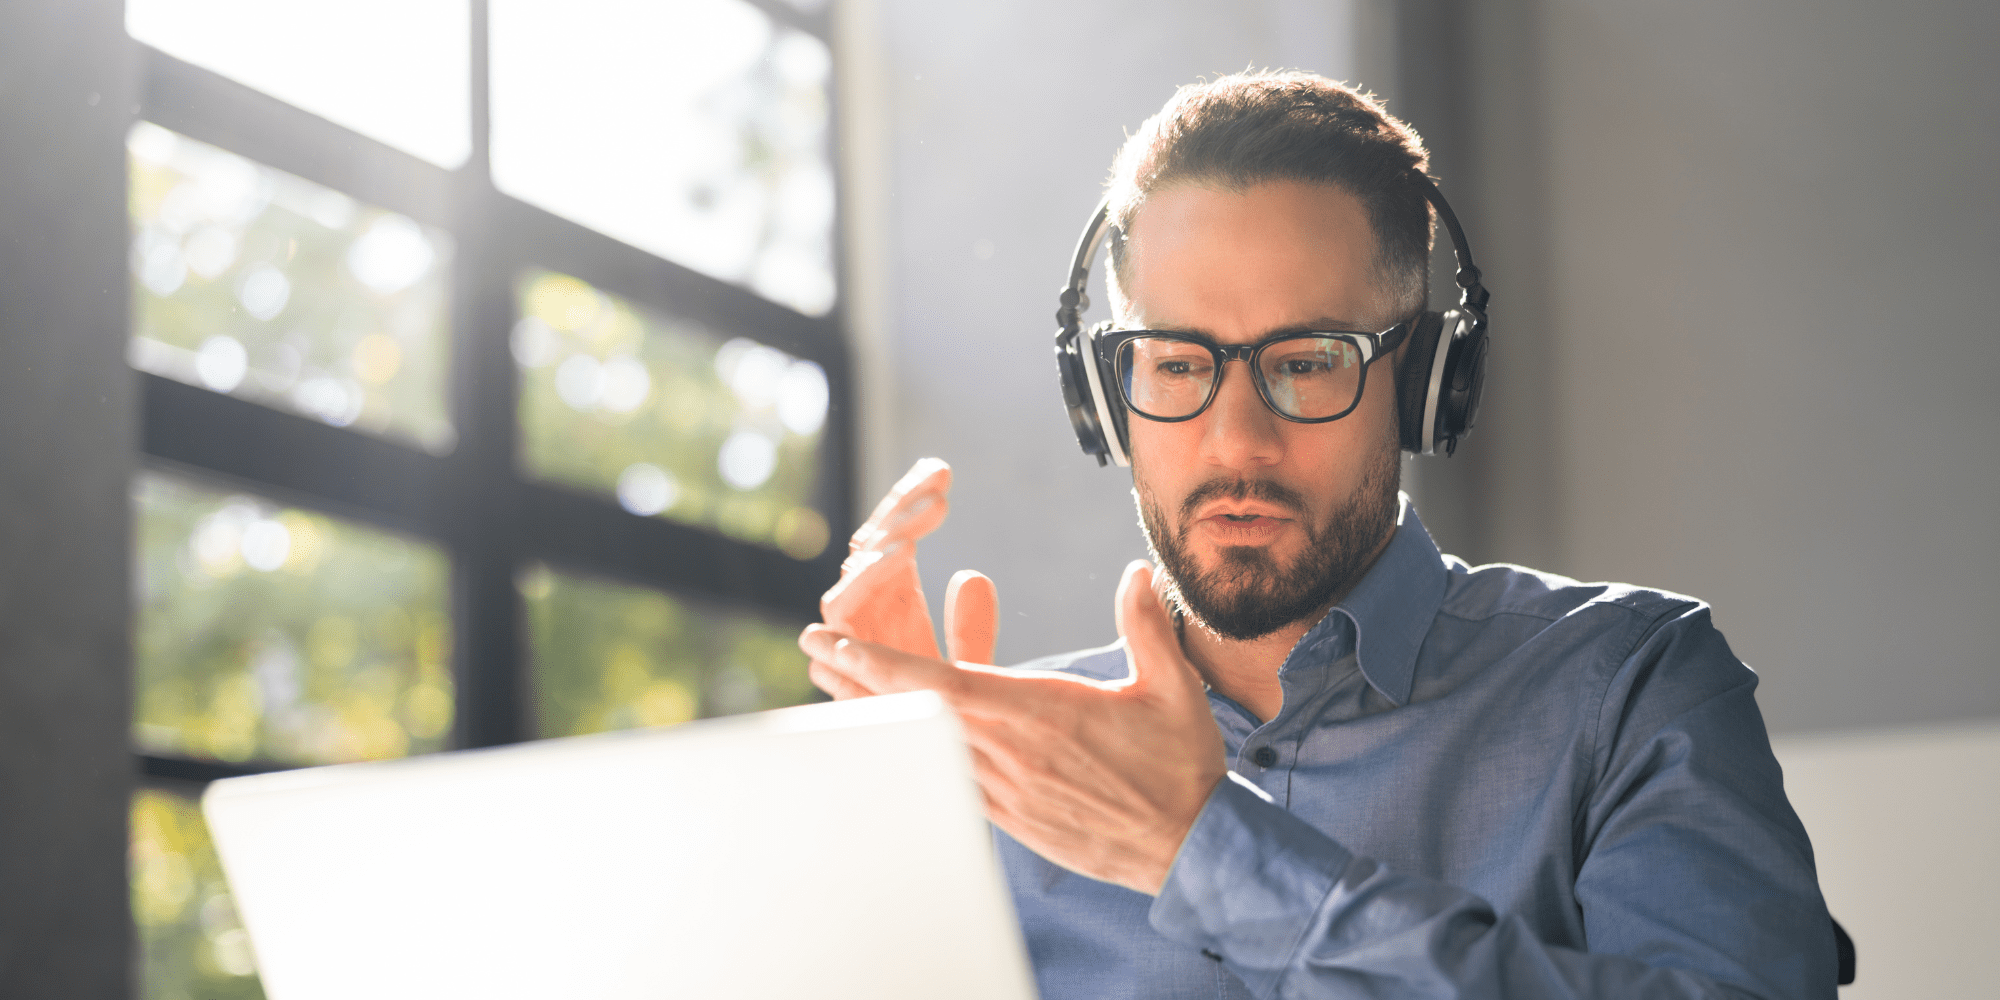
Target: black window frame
column 477, row 502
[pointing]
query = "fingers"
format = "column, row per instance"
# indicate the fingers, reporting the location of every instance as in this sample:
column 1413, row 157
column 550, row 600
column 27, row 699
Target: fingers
column 818, row 643
column 873, row 668
column 1151, row 643
column 879, row 596
column 925, row 475
column 830, row 681
column 824, row 676
column 866, row 572
column 847, row 667
column 971, row 617
column 913, row 508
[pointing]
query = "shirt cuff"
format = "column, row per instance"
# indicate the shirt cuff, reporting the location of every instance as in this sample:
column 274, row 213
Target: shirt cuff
column 1247, row 883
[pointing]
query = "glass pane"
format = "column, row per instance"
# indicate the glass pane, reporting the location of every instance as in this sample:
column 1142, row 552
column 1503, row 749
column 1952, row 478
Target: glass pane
column 696, row 130
column 398, row 71
column 669, row 416
column 191, row 943
column 285, row 635
column 253, row 282
column 610, row 656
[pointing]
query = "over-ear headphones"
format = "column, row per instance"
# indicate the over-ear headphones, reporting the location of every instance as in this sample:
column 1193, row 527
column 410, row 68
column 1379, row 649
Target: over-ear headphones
column 1437, row 382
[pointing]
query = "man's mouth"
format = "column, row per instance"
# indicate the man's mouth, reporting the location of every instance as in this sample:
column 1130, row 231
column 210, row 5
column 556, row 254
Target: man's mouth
column 1238, row 526
column 1254, row 513
column 1239, row 512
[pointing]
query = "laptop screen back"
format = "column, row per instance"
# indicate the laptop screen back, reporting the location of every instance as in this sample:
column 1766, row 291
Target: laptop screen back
column 827, row 851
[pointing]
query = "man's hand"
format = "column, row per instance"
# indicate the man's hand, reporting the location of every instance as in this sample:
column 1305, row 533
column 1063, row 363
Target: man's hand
column 1102, row 777
column 879, row 598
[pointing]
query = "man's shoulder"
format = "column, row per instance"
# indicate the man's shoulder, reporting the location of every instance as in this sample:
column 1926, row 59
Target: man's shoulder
column 1103, row 663
column 1495, row 590
column 1632, row 640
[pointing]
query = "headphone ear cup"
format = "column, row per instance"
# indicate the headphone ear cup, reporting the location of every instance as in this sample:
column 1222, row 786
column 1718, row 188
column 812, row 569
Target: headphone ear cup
column 1107, row 376
column 1464, row 378
column 1413, row 379
column 1076, row 394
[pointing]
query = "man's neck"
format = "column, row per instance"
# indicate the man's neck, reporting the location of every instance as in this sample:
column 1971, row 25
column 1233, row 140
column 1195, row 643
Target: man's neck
column 1246, row 670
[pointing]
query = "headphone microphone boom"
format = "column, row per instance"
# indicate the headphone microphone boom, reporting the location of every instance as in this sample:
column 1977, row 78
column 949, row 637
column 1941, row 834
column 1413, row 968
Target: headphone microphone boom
column 1437, row 382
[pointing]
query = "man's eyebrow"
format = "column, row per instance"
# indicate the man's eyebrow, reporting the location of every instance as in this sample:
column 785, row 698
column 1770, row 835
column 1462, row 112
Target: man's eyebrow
column 1323, row 323
column 1329, row 323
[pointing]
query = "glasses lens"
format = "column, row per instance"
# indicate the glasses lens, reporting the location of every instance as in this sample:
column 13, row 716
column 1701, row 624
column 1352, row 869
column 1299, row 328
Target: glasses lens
column 1165, row 378
column 1311, row 378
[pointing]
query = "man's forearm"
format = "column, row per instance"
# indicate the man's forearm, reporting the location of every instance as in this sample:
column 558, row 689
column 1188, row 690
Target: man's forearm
column 1294, row 914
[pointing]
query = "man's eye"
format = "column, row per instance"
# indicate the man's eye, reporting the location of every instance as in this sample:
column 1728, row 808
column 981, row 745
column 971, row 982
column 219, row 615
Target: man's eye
column 1303, row 365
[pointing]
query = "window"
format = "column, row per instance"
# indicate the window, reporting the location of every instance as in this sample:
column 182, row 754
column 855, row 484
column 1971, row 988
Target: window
column 493, row 389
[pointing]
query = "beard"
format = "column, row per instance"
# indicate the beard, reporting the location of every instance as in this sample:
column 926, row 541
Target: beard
column 1251, row 591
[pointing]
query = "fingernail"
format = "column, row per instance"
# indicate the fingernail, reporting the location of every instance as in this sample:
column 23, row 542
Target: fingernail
column 858, row 561
column 862, row 560
column 822, row 638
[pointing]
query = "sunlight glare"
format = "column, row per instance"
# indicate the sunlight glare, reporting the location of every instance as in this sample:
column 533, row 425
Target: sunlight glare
column 398, row 71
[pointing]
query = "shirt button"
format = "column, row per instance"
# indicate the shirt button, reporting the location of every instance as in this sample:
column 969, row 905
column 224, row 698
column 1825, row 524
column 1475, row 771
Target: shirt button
column 1264, row 757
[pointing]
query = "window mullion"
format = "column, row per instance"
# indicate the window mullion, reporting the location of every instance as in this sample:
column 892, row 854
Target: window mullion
column 489, row 658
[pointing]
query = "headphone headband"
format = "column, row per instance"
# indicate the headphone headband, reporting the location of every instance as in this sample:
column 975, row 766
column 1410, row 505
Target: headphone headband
column 1472, row 293
column 1074, row 299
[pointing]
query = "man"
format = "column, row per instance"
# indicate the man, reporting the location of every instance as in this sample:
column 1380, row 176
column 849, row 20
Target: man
column 1324, row 760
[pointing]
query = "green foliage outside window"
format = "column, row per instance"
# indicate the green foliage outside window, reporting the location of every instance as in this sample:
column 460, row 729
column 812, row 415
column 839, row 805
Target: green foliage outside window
column 610, row 656
column 285, row 635
column 673, row 419
column 256, row 283
column 191, row 944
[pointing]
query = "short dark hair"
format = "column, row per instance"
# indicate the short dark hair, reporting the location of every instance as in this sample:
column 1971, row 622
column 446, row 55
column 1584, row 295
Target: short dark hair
column 1247, row 128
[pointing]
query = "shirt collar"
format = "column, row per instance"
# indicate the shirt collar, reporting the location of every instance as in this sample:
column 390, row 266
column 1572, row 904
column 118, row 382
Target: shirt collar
column 1391, row 610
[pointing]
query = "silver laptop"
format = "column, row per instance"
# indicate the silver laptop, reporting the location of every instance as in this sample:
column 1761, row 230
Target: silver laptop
column 831, row 850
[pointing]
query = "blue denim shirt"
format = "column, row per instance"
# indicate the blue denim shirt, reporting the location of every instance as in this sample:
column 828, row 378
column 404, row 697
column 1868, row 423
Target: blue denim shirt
column 1484, row 782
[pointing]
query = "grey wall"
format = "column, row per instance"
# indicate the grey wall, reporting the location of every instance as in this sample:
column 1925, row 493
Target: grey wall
column 67, row 422
column 1739, row 252
column 1741, row 255
column 979, row 136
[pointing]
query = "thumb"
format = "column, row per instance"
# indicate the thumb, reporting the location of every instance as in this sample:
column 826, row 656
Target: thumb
column 1151, row 642
column 971, row 617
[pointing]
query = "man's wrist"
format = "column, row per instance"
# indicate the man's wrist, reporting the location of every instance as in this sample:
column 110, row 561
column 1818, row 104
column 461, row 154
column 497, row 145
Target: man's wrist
column 1156, row 861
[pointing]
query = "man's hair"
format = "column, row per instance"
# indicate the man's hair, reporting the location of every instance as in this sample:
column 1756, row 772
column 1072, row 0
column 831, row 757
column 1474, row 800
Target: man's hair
column 1248, row 128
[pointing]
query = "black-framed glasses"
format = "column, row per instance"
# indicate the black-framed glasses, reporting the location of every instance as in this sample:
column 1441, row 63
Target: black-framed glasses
column 1310, row 377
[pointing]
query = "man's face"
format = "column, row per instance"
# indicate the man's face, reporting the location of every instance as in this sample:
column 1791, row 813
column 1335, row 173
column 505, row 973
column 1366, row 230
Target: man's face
column 1260, row 521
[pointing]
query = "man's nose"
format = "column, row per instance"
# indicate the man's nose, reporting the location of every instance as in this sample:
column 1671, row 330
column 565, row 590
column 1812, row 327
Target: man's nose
column 1240, row 432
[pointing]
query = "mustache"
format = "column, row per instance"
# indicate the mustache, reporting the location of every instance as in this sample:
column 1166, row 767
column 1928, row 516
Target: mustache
column 1265, row 490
